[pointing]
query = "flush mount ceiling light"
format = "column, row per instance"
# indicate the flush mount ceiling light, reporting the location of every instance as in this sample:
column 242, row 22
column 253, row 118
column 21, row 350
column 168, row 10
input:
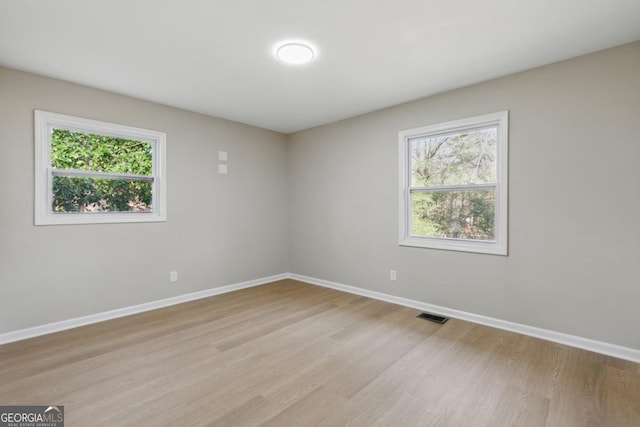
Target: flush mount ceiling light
column 295, row 53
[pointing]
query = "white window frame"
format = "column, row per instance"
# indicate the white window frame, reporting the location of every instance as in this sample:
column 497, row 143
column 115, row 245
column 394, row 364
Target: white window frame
column 45, row 122
column 496, row 247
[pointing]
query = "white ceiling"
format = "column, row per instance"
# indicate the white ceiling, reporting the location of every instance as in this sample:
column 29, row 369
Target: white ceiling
column 215, row 56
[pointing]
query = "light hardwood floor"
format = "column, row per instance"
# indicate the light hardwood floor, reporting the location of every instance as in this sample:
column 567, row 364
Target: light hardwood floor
column 288, row 353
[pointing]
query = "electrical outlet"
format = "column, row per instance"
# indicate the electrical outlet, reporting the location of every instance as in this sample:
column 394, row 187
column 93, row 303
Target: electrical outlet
column 173, row 276
column 393, row 275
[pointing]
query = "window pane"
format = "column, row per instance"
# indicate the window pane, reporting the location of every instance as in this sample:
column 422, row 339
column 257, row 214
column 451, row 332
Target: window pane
column 100, row 153
column 461, row 158
column 72, row 194
column 454, row 214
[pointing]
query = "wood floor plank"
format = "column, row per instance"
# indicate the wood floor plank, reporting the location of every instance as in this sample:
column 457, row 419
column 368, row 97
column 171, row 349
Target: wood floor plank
column 309, row 411
column 288, row 353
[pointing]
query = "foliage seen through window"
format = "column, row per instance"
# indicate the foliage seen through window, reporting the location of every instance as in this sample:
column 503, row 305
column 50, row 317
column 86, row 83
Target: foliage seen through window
column 100, row 153
column 453, row 180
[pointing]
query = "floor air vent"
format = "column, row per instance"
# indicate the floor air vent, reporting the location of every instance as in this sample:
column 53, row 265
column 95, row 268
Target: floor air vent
column 433, row 317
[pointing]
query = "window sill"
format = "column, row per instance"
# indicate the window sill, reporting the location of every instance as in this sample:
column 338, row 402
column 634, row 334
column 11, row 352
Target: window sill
column 459, row 245
column 99, row 218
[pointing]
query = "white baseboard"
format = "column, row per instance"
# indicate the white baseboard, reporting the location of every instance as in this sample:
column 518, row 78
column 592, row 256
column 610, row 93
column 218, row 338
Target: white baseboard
column 614, row 350
column 127, row 311
column 545, row 334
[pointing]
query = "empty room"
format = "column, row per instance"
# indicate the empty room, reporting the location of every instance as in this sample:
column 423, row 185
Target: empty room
column 297, row 213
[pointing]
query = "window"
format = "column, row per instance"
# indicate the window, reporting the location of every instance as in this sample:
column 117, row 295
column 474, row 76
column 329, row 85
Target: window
column 454, row 185
column 88, row 171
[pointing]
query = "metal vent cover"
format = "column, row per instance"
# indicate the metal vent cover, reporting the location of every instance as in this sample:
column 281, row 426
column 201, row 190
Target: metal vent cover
column 433, row 317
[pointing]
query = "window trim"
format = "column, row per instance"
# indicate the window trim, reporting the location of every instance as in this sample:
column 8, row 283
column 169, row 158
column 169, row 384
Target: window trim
column 45, row 121
column 497, row 247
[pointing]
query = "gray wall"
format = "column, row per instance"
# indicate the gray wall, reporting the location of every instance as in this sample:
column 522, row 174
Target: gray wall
column 221, row 229
column 323, row 203
column 574, row 201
